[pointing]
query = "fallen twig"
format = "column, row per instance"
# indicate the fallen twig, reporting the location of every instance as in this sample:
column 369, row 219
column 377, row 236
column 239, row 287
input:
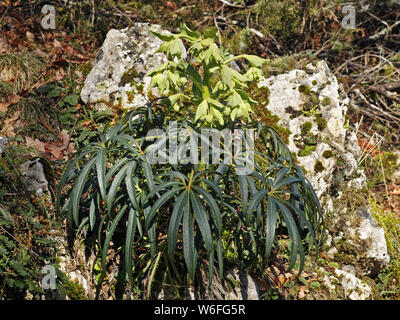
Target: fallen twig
column 383, row 91
column 232, row 5
column 384, row 31
column 374, row 107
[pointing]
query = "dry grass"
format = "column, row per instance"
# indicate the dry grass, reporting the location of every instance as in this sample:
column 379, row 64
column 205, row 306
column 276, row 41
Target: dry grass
column 21, row 69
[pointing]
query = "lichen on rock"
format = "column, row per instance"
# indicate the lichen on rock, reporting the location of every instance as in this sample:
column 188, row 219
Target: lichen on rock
column 329, row 160
column 118, row 75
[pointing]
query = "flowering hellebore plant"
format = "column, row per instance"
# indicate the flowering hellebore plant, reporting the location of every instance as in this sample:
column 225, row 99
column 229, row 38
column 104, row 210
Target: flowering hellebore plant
column 170, row 214
column 217, row 89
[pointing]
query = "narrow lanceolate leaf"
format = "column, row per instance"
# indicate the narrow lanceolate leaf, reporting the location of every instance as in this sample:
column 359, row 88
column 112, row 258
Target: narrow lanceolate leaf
column 157, row 205
column 189, row 250
column 113, row 131
column 176, row 174
column 125, row 139
column 270, row 225
column 152, row 275
column 129, row 184
column 78, row 188
column 66, row 175
column 167, row 185
column 83, row 223
column 293, row 234
column 202, row 221
column 280, row 175
column 130, row 234
column 114, row 187
column 151, row 232
column 148, row 173
column 220, row 171
column 301, row 214
column 214, row 208
column 244, row 191
column 115, row 168
column 220, row 256
column 101, row 171
column 109, row 235
column 92, row 213
column 284, row 182
column 257, row 198
column 253, row 191
column 101, row 225
column 211, row 184
column 174, row 223
column 314, row 197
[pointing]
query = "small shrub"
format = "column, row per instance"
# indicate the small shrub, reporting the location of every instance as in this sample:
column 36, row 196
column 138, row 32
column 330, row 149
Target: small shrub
column 181, row 213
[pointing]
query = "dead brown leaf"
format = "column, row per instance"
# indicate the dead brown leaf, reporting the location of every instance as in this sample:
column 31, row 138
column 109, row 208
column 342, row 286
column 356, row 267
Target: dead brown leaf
column 12, row 99
column 9, row 124
column 281, row 280
column 4, row 47
column 36, row 144
column 171, row 5
column 59, row 74
column 86, row 123
column 57, row 44
column 66, row 143
column 301, row 293
column 54, row 150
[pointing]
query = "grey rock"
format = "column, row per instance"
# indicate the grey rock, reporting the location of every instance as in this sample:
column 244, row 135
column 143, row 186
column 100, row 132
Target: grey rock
column 354, row 288
column 360, row 233
column 3, row 144
column 34, row 176
column 375, row 255
column 241, row 286
column 246, row 287
column 130, row 49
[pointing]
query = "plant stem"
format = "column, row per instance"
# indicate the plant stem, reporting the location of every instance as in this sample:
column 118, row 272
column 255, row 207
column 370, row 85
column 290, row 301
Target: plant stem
column 189, row 186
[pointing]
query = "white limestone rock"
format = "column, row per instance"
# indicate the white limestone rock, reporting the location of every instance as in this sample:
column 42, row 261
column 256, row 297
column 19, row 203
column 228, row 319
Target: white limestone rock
column 352, row 227
column 354, row 288
column 130, row 49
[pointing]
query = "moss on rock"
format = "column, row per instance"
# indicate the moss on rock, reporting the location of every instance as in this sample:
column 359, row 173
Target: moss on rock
column 305, row 128
column 306, row 151
column 321, row 122
column 261, row 112
column 327, row 154
column 318, row 167
column 74, row 290
column 129, row 77
column 304, row 89
column 326, row 101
